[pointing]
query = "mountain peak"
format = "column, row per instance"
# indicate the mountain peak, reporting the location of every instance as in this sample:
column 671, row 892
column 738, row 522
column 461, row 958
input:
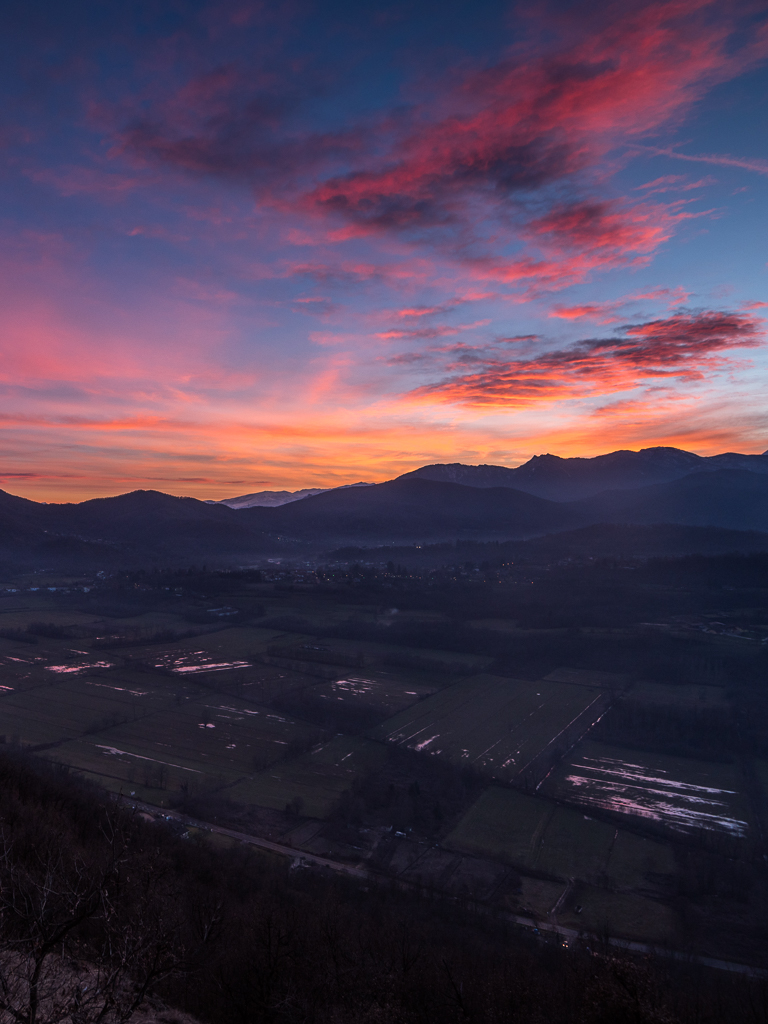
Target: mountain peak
column 567, row 479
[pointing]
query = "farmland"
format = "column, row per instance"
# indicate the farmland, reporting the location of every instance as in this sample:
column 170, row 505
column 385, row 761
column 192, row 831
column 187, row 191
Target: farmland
column 313, row 782
column 679, row 793
column 540, row 835
column 469, row 756
column 499, row 726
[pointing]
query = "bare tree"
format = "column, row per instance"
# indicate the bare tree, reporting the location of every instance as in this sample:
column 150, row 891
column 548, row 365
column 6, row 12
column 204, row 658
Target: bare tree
column 85, row 939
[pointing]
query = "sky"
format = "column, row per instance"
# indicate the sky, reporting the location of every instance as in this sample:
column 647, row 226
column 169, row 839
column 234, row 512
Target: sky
column 275, row 245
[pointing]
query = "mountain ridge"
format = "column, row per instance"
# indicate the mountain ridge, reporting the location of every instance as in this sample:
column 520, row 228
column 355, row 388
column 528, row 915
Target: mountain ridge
column 151, row 527
column 273, row 499
column 569, row 479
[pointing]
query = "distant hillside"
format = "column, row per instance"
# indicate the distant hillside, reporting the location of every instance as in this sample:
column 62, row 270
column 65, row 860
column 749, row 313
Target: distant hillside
column 269, row 499
column 730, row 498
column 603, row 540
column 414, row 509
column 273, row 499
column 142, row 527
column 549, row 476
column 151, row 528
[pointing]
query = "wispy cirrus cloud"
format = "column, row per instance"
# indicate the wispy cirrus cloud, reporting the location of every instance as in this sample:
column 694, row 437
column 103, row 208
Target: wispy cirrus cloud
column 606, row 312
column 718, row 159
column 434, row 331
column 673, row 183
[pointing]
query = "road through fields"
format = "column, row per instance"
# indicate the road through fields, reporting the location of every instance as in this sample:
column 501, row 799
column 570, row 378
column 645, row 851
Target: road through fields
column 566, row 935
column 299, row 856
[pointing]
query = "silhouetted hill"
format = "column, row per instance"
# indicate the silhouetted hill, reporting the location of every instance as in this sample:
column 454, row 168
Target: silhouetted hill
column 129, row 529
column 415, row 509
column 549, row 476
column 634, row 541
column 22, row 525
column 730, row 498
column 603, row 540
column 428, row 510
column 272, row 499
column 149, row 527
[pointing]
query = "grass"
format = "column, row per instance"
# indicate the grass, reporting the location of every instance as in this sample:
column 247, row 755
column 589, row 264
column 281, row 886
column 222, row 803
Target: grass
column 684, row 696
column 635, row 860
column 536, row 898
column 588, row 677
column 143, row 778
column 629, row 916
column 539, row 835
column 213, row 734
column 573, row 846
column 380, row 692
column 497, row 725
column 316, row 779
column 379, row 654
column 154, row 732
column 200, row 744
column 237, row 643
column 66, row 707
column 504, row 824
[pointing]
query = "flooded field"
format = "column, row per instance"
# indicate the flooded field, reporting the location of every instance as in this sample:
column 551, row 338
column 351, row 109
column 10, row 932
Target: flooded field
column 384, row 694
column 196, row 661
column 685, row 795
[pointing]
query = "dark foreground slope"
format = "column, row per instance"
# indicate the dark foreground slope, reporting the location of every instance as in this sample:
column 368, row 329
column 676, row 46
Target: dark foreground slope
column 126, row 913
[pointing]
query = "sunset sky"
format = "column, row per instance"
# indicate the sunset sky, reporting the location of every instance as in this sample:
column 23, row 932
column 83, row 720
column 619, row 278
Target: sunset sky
column 275, row 245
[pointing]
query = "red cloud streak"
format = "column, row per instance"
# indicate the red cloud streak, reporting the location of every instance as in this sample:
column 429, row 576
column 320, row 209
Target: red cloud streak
column 680, row 347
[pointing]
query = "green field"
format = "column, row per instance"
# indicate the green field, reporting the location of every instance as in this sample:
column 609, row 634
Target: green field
column 604, row 914
column 497, row 725
column 678, row 792
column 380, row 693
column 191, row 714
column 381, row 655
column 214, row 651
column 589, row 677
column 202, row 742
column 316, row 779
column 539, row 835
column 67, row 706
column 685, row 696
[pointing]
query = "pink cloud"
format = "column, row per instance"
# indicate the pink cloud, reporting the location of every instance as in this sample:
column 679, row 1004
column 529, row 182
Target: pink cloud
column 458, row 172
column 683, row 347
column 436, row 331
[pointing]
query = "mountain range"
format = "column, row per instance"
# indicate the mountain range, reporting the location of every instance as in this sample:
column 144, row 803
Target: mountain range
column 549, row 476
column 436, row 503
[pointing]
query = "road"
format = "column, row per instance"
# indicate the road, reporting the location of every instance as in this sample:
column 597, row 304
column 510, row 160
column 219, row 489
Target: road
column 360, row 871
column 297, row 856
